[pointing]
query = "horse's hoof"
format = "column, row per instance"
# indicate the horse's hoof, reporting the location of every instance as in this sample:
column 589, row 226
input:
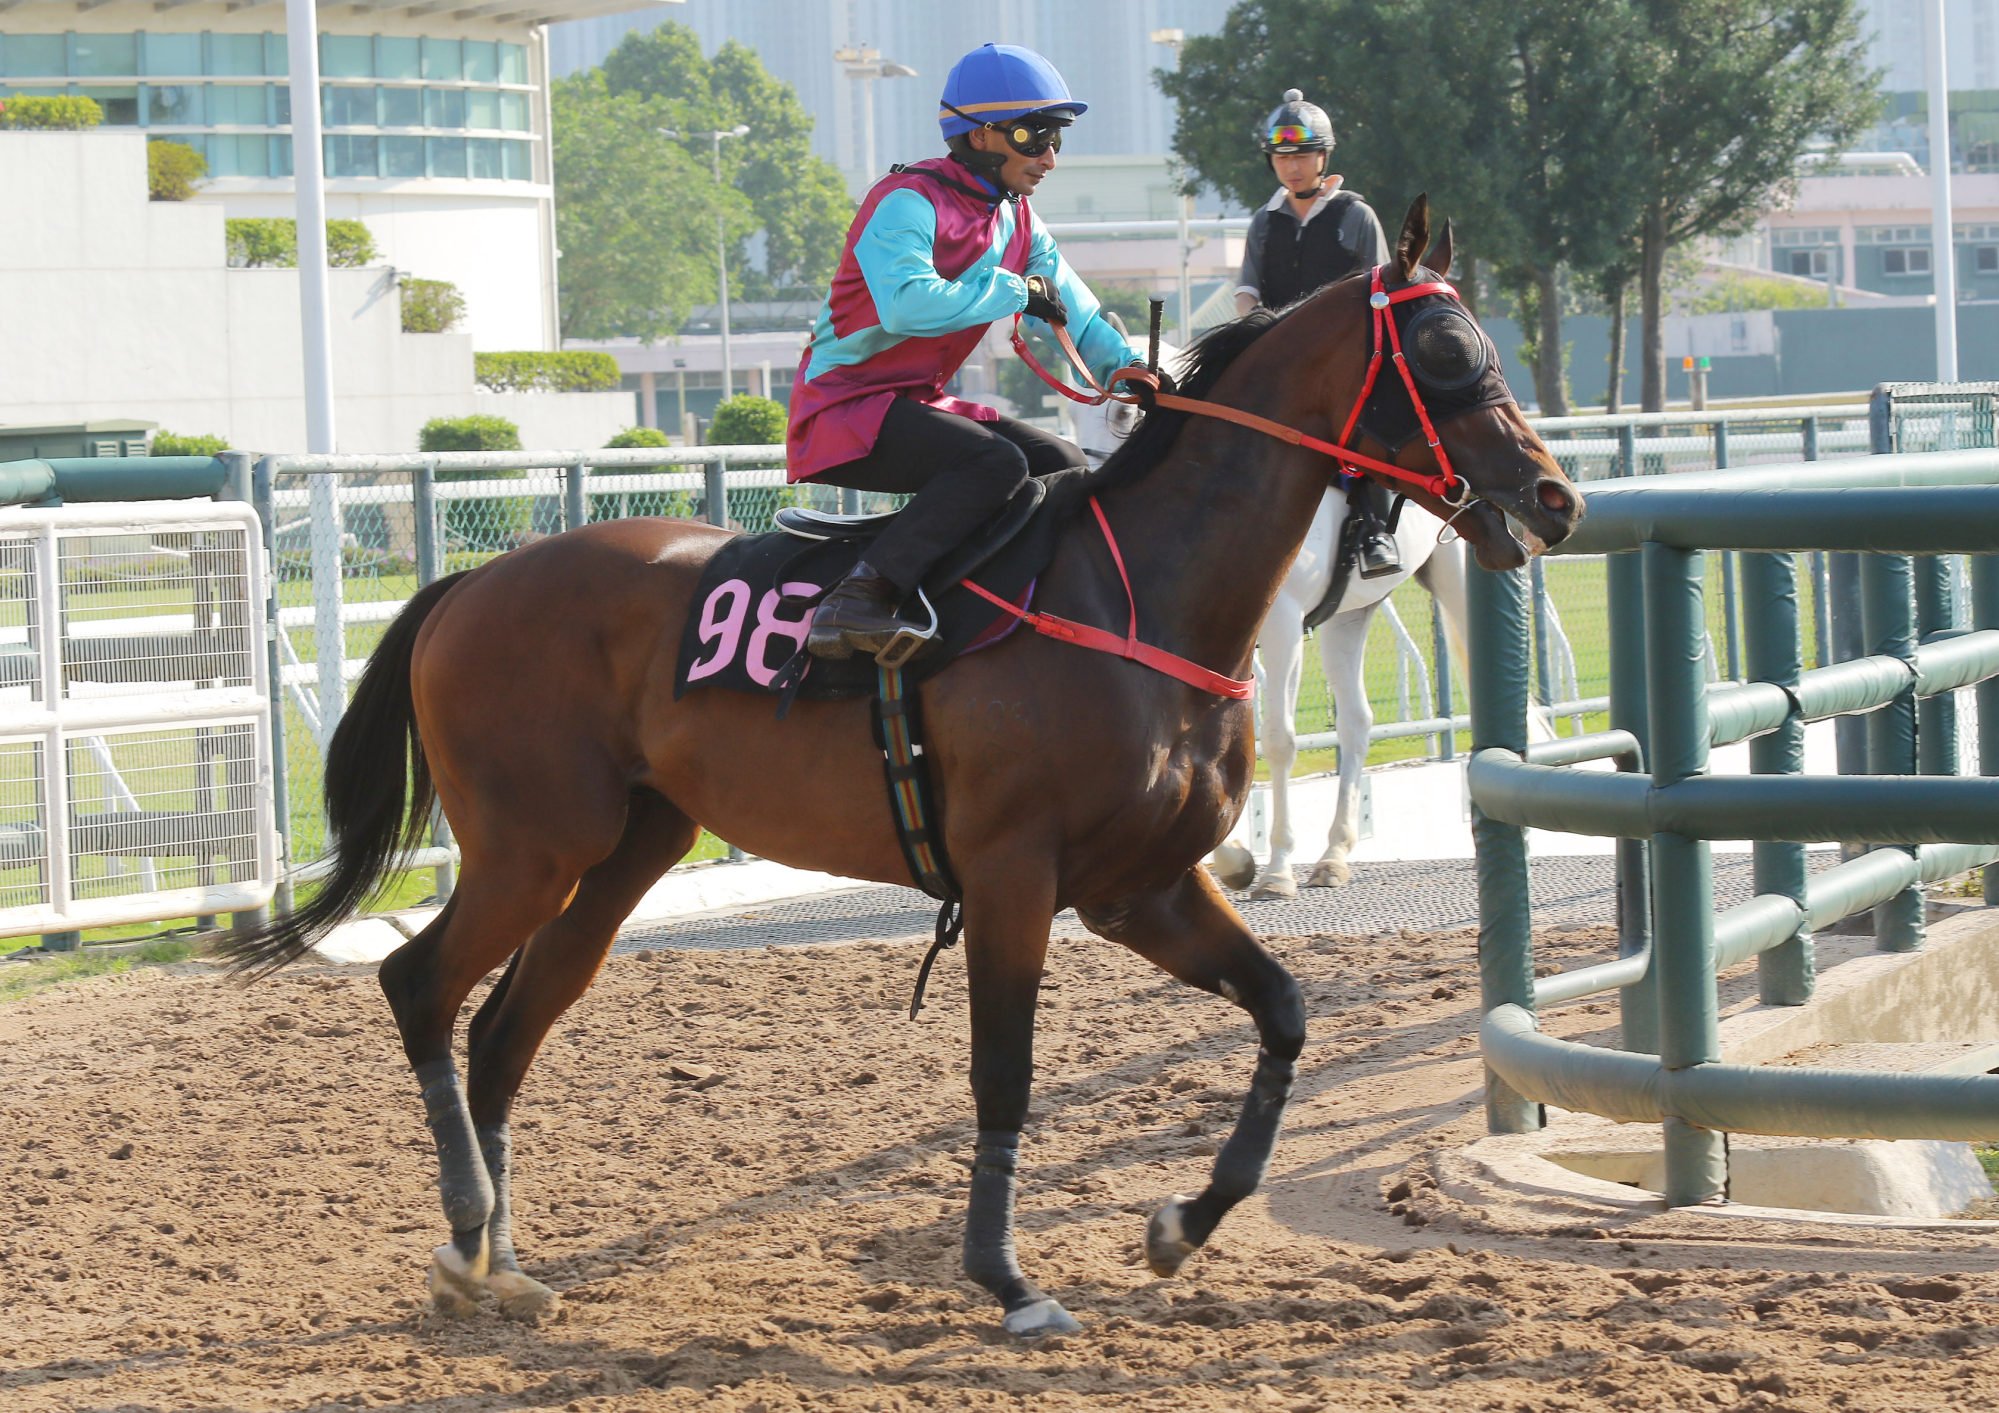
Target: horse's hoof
column 1043, row 1317
column 1329, row 874
column 454, row 1281
column 523, row 1298
column 1276, row 885
column 1233, row 866
column 1166, row 1244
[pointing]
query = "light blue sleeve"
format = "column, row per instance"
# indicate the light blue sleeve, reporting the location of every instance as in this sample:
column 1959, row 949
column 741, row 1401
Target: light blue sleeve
column 1104, row 349
column 897, row 256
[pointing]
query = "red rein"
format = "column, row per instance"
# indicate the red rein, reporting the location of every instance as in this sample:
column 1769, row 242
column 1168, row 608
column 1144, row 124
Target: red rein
column 1445, row 484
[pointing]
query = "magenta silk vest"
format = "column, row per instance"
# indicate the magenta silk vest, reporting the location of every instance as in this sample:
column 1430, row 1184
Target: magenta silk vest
column 836, row 417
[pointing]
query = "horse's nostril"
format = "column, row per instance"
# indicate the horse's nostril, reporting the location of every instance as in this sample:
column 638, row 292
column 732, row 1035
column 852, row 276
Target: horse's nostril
column 1555, row 497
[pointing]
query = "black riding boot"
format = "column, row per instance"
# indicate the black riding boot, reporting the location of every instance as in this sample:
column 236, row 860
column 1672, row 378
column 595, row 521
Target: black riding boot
column 858, row 614
column 1376, row 548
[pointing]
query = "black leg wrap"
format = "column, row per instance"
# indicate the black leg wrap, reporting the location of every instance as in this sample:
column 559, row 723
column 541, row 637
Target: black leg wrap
column 461, row 1171
column 1239, row 1167
column 496, row 1147
column 989, row 1257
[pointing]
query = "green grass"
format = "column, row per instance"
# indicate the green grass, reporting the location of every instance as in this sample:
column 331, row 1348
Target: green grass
column 18, row 979
column 1988, row 1158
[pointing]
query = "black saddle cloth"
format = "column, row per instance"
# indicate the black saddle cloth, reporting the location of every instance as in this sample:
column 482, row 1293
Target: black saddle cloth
column 756, row 598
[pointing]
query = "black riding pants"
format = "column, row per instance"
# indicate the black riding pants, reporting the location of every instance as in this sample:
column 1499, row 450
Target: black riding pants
column 961, row 473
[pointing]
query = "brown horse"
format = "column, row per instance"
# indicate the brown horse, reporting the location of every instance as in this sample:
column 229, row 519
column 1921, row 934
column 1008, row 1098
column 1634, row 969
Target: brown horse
column 536, row 697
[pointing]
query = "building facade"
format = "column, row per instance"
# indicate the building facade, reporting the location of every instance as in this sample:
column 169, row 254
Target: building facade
column 435, row 117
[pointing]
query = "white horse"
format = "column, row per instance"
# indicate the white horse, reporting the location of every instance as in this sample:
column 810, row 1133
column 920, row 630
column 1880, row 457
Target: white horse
column 1342, row 652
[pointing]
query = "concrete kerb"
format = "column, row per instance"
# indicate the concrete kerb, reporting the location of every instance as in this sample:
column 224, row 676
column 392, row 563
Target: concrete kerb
column 1872, row 1009
column 683, row 893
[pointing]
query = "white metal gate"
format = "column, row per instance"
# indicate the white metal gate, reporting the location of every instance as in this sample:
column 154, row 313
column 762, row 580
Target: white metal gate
column 134, row 716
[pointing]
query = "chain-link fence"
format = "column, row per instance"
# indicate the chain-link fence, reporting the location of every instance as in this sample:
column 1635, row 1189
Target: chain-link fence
column 352, row 537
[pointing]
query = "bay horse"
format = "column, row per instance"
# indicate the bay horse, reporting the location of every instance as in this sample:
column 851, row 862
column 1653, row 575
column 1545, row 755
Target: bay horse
column 533, row 698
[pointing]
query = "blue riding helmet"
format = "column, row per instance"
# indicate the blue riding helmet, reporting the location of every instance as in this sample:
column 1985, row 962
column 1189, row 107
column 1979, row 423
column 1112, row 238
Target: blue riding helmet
column 998, row 82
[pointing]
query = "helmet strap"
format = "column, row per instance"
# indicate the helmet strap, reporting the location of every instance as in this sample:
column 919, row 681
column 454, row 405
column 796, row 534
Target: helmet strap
column 986, row 164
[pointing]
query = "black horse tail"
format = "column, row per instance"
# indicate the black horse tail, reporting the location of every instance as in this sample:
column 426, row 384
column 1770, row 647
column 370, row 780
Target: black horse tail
column 378, row 797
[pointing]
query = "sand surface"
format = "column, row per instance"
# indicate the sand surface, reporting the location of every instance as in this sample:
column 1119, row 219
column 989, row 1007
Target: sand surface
column 216, row 1197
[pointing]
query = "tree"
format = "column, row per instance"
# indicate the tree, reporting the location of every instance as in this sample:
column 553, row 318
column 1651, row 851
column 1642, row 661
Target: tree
column 795, row 202
column 1737, row 92
column 634, row 213
column 1508, row 122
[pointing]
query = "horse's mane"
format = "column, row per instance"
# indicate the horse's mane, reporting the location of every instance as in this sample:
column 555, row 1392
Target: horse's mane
column 1203, row 362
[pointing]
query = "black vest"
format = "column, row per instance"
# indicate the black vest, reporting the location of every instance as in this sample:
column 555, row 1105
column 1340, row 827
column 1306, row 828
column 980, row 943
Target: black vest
column 1299, row 259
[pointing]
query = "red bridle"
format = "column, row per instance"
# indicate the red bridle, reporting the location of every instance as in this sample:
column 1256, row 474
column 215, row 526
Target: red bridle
column 1444, row 483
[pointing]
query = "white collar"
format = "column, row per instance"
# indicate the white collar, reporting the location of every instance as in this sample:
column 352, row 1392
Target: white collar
column 1326, row 193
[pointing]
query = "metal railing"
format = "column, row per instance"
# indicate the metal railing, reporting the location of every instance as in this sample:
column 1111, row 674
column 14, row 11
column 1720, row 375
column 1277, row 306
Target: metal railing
column 1664, row 717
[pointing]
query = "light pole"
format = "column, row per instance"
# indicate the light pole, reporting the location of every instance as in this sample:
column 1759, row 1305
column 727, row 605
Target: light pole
column 721, row 243
column 1173, row 39
column 864, row 65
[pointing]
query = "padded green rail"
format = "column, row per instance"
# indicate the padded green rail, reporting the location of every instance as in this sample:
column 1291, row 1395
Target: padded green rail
column 1665, row 805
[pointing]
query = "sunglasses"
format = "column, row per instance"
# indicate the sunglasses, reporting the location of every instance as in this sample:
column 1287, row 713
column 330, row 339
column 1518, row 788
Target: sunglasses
column 1290, row 135
column 1029, row 140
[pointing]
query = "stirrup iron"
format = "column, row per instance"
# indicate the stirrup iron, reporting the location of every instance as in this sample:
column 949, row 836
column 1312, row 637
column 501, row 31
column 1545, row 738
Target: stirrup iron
column 910, row 639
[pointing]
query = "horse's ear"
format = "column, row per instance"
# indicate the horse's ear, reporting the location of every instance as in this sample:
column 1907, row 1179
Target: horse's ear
column 1440, row 258
column 1414, row 240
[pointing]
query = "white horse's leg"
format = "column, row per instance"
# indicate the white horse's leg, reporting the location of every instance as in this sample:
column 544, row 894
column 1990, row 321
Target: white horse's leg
column 1343, row 650
column 1233, row 863
column 1283, row 650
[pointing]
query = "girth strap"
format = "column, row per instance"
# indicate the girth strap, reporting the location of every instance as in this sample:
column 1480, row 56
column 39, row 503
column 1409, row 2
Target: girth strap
column 898, row 729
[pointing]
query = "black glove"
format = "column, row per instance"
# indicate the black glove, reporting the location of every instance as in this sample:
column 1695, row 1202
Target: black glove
column 1044, row 301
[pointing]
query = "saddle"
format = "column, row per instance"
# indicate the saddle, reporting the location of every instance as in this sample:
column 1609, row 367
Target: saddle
column 756, row 596
column 1345, row 556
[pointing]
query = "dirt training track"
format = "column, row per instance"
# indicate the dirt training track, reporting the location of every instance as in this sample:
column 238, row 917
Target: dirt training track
column 221, row 1198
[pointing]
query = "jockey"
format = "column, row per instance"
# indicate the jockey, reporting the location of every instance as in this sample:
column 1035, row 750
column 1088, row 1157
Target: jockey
column 1308, row 235
column 938, row 251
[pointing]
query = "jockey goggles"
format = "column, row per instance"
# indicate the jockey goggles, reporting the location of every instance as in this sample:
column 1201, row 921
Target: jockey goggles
column 1030, row 135
column 1292, row 135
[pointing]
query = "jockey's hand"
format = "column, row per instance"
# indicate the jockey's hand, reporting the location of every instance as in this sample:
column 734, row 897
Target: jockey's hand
column 1044, row 301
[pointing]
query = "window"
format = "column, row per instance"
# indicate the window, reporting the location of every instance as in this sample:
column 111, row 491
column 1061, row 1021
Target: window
column 1914, row 260
column 482, row 64
column 1986, row 259
column 514, row 112
column 513, row 64
column 33, row 56
column 482, row 108
column 348, row 106
column 484, row 155
column 402, row 157
column 172, row 55
column 281, row 156
column 445, row 156
column 120, row 105
column 281, row 104
column 236, row 54
column 278, row 64
column 1812, row 264
column 174, row 105
column 231, row 155
column 517, row 159
column 105, row 55
column 444, row 59
column 346, row 56
column 403, row 108
column 398, row 58
column 444, row 108
column 351, row 156
column 245, row 105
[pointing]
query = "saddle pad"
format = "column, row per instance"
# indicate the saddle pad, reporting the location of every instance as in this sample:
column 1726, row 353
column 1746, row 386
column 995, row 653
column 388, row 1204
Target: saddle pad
column 757, row 594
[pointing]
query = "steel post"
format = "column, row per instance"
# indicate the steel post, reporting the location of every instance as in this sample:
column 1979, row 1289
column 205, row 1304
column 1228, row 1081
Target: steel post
column 1499, row 718
column 423, row 494
column 575, row 502
column 1785, row 974
column 260, row 496
column 1638, row 1002
column 1936, row 716
column 1544, row 671
column 1440, row 655
column 1683, row 880
column 1985, row 614
column 1888, row 622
